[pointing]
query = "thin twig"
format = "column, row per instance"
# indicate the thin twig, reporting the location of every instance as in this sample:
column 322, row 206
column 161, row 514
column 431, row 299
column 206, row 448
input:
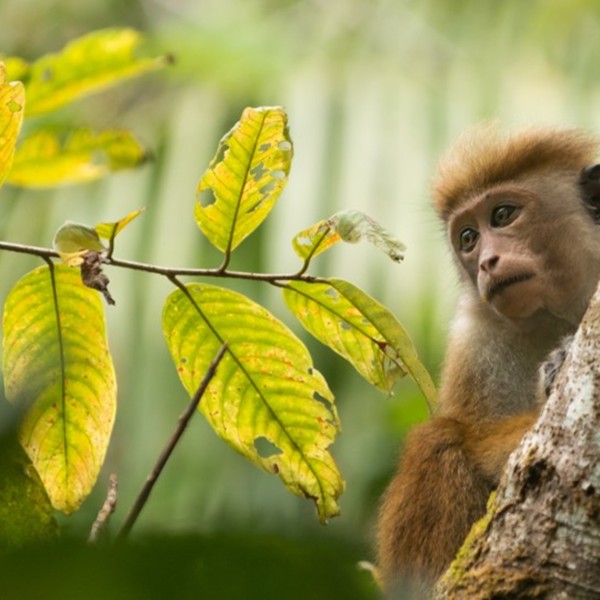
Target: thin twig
column 106, row 511
column 166, row 453
column 175, row 271
column 48, row 253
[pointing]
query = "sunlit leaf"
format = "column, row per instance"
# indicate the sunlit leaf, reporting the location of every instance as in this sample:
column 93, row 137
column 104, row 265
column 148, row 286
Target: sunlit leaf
column 266, row 400
column 56, row 363
column 245, row 178
column 361, row 330
column 350, row 226
column 17, row 69
column 315, row 240
column 108, row 231
column 44, row 160
column 12, row 100
column 26, row 515
column 86, row 65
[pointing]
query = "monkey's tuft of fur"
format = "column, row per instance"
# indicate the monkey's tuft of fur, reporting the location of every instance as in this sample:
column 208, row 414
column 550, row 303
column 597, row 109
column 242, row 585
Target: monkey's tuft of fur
column 483, row 157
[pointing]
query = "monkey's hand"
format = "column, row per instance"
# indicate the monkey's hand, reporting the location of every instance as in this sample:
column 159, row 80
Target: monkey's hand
column 551, row 367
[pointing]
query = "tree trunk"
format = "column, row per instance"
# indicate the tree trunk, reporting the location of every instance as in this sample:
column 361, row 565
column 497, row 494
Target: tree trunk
column 541, row 536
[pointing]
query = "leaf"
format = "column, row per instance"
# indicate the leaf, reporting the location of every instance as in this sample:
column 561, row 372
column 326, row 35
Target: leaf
column 349, row 226
column 245, row 178
column 75, row 237
column 44, row 160
column 315, row 240
column 56, row 364
column 86, row 65
column 359, row 329
column 17, row 69
column 25, row 510
column 266, row 400
column 12, row 100
column 109, row 231
column 73, row 241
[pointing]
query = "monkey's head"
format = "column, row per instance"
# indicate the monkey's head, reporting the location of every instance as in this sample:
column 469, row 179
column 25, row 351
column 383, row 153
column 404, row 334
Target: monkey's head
column 522, row 215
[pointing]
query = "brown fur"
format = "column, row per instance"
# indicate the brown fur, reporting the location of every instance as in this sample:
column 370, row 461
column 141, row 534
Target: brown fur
column 489, row 391
column 483, row 158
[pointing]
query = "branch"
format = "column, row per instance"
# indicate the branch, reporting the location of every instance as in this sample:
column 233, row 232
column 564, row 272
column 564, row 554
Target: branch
column 166, row 453
column 47, row 253
column 106, row 511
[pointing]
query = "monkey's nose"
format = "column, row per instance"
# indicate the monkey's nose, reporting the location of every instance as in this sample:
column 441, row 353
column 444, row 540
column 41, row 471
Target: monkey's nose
column 488, row 263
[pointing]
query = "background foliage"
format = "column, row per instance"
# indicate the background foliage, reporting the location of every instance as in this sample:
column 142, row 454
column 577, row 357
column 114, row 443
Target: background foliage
column 374, row 90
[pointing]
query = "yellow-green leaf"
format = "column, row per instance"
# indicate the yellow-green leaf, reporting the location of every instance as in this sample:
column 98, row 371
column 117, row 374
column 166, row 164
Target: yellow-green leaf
column 44, row 160
column 17, row 69
column 361, row 330
column 266, row 400
column 75, row 237
column 350, row 226
column 86, row 65
column 109, row 231
column 12, row 101
column 245, row 178
column 316, row 239
column 56, row 363
column 73, row 240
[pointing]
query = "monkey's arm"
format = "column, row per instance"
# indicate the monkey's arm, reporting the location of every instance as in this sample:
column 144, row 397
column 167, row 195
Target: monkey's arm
column 489, row 444
column 446, row 474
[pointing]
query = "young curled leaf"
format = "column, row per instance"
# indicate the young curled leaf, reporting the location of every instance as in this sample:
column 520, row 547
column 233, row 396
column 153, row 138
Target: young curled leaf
column 44, row 159
column 245, row 178
column 12, row 104
column 109, row 231
column 80, row 246
column 350, row 226
column 359, row 329
column 73, row 240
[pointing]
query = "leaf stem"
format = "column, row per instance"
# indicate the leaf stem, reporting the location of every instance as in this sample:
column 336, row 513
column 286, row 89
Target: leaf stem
column 166, row 453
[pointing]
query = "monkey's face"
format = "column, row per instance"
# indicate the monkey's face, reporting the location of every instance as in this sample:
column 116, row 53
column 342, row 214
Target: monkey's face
column 517, row 248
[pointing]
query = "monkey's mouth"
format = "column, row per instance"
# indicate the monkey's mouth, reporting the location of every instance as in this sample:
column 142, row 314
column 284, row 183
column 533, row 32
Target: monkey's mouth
column 499, row 286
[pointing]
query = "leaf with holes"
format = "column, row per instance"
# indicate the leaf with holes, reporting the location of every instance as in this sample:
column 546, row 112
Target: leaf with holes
column 43, row 159
column 86, row 65
column 245, row 178
column 56, row 365
column 12, row 100
column 350, row 226
column 266, row 400
column 361, row 330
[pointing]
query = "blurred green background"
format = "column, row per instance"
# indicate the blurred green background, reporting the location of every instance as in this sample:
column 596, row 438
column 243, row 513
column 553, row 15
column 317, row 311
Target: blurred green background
column 375, row 91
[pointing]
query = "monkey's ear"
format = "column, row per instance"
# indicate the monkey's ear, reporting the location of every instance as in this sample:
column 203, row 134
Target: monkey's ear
column 589, row 181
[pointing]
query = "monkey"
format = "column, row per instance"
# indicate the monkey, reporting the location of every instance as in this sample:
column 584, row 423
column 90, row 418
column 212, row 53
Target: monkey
column 521, row 213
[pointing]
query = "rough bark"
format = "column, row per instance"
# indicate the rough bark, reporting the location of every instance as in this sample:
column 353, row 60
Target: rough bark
column 541, row 536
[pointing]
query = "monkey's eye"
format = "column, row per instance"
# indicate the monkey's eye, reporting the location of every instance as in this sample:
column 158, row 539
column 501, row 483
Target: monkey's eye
column 503, row 215
column 467, row 239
